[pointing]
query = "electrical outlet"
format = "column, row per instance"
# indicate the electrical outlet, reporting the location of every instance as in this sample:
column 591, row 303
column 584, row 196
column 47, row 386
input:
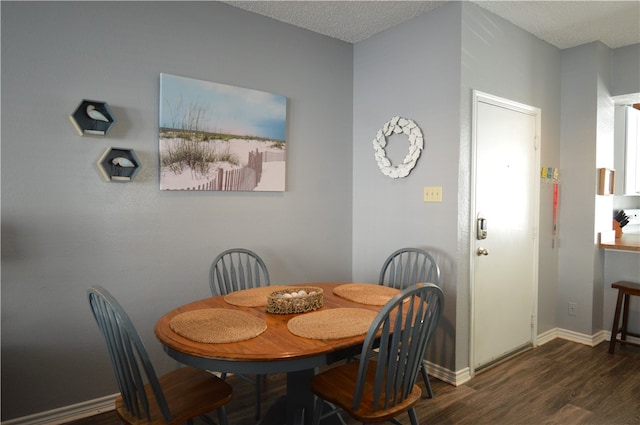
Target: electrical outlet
column 433, row 194
column 573, row 309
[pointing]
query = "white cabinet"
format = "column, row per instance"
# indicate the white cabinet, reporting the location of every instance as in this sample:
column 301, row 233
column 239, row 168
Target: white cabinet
column 627, row 150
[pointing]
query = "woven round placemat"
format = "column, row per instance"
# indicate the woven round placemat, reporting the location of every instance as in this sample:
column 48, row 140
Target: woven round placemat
column 254, row 297
column 333, row 323
column 217, row 325
column 365, row 293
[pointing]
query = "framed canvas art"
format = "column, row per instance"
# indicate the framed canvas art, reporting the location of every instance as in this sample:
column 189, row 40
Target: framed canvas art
column 220, row 137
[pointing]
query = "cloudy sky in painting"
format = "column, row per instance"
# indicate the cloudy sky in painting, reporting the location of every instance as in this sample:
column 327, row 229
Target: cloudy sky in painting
column 227, row 109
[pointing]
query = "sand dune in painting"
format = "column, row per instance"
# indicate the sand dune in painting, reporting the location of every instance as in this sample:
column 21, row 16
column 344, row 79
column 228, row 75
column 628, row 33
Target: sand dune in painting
column 237, row 151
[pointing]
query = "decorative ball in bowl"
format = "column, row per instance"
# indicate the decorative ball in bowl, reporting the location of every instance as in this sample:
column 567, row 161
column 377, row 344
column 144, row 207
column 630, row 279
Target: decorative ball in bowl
column 295, row 300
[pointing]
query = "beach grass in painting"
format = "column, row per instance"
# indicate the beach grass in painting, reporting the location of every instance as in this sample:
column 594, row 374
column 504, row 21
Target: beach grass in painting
column 219, row 137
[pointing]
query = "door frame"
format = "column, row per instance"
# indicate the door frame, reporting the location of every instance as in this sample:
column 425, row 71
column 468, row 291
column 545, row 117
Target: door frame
column 477, row 97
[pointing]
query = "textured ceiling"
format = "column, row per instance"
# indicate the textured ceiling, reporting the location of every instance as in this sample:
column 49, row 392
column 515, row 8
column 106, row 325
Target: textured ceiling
column 561, row 23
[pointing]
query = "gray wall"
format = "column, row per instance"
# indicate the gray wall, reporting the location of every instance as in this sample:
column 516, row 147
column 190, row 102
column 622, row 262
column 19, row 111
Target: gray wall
column 431, row 66
column 625, row 77
column 64, row 228
column 577, row 199
column 589, row 73
column 411, row 71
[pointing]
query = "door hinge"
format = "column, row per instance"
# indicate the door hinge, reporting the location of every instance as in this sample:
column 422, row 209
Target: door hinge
column 533, row 320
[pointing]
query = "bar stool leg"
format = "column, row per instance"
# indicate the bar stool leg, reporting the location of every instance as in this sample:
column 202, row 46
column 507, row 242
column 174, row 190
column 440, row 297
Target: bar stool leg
column 616, row 321
column 625, row 317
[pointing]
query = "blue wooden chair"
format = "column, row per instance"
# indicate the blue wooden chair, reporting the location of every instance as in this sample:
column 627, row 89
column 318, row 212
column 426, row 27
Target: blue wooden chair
column 381, row 385
column 406, row 267
column 145, row 398
column 237, row 269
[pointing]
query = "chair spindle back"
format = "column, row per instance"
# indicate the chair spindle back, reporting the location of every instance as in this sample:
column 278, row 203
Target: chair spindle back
column 404, row 326
column 237, row 269
column 408, row 266
column 128, row 354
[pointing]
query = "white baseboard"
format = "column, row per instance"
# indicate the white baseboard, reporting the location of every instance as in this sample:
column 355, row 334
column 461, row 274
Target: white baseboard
column 590, row 340
column 454, row 378
column 67, row 414
column 104, row 404
column 547, row 336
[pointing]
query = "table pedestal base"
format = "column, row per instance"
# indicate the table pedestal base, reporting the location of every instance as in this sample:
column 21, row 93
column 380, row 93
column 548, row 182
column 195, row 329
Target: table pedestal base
column 277, row 413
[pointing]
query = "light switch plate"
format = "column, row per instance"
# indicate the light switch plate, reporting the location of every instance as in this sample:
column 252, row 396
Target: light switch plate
column 433, row 194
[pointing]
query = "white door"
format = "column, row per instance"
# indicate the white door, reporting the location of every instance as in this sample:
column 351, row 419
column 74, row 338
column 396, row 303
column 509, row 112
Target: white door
column 505, row 198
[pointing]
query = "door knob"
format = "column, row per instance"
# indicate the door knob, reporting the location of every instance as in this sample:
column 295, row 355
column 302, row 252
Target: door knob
column 482, row 251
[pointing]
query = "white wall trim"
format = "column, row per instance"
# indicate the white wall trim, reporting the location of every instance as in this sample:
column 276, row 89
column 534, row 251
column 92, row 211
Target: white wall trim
column 590, row 340
column 67, row 414
column 457, row 378
column 580, row 338
column 454, row 378
column 547, row 336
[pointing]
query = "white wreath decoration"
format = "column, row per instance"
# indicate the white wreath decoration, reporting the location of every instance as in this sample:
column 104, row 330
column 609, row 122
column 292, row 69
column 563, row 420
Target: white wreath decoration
column 398, row 125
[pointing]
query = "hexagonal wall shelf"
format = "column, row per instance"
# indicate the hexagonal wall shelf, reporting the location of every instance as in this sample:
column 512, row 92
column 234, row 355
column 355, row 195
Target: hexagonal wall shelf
column 119, row 165
column 92, row 118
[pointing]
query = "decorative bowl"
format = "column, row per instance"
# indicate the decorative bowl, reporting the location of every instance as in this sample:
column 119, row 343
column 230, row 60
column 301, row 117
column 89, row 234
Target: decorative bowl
column 295, row 300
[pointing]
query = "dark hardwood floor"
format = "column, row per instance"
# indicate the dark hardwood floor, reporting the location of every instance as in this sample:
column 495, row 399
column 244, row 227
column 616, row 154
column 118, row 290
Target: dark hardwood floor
column 561, row 383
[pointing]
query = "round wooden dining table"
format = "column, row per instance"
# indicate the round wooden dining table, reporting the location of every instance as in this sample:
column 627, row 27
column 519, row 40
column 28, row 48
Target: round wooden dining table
column 276, row 350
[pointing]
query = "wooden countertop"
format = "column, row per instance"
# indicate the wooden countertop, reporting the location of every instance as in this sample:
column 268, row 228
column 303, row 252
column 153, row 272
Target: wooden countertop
column 627, row 242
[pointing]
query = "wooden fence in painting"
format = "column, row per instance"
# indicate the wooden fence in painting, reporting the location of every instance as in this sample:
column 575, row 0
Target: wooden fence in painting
column 274, row 156
column 245, row 178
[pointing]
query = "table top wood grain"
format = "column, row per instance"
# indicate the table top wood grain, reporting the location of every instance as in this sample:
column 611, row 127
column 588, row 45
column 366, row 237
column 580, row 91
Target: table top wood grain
column 275, row 350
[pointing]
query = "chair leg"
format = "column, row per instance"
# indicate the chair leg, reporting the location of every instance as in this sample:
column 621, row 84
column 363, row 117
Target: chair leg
column 298, row 418
column 258, row 390
column 207, row 420
column 319, row 414
column 222, row 416
column 317, row 411
column 413, row 417
column 425, row 378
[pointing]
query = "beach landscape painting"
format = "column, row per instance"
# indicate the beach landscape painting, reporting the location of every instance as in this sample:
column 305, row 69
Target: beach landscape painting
column 218, row 137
